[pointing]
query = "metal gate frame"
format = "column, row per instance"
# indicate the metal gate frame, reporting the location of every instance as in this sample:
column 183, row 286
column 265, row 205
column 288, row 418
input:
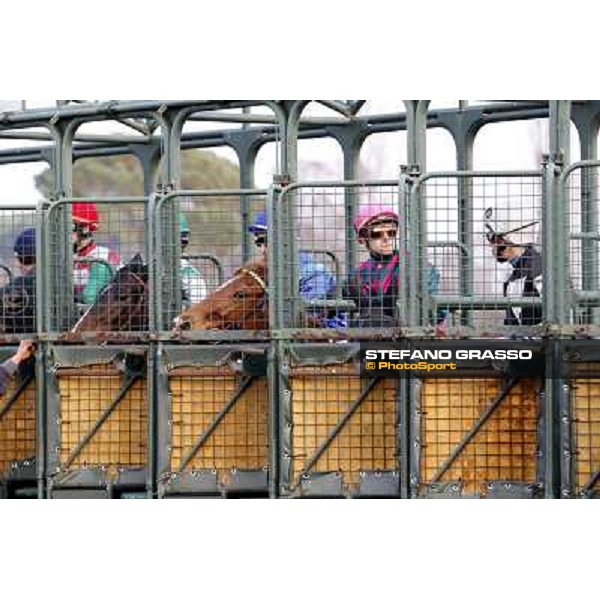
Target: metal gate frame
column 48, row 265
column 164, row 208
column 574, row 352
column 385, row 483
column 414, row 295
column 96, row 478
column 586, row 298
column 204, row 482
column 496, row 489
column 282, row 254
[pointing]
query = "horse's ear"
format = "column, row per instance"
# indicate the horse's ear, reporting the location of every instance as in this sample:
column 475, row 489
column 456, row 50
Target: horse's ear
column 136, row 261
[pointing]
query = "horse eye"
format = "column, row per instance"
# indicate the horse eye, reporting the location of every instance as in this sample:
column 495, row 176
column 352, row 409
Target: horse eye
column 239, row 295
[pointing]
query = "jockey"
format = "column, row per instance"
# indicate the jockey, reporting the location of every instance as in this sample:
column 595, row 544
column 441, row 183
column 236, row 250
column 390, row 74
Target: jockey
column 374, row 286
column 24, row 249
column 315, row 280
column 193, row 286
column 89, row 278
column 17, row 300
column 525, row 277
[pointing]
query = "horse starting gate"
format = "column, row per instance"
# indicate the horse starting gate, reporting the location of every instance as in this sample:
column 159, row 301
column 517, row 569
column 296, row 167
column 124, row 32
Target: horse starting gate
column 136, row 395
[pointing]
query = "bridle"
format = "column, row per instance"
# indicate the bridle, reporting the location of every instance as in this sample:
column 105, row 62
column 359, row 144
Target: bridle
column 138, row 279
column 256, row 277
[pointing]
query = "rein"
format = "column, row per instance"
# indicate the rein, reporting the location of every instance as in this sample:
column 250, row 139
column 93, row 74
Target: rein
column 138, row 279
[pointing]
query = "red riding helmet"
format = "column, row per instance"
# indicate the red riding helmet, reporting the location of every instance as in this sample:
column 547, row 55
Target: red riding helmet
column 85, row 213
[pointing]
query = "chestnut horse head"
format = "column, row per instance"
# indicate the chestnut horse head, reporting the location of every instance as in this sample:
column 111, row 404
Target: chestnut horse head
column 123, row 304
column 240, row 303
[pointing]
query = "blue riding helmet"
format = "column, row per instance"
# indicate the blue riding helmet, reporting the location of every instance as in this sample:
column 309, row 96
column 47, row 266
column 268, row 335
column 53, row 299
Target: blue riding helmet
column 260, row 224
column 25, row 246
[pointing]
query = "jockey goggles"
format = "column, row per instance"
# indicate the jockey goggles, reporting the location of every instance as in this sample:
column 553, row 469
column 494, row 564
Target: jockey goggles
column 81, row 229
column 384, row 233
column 260, row 240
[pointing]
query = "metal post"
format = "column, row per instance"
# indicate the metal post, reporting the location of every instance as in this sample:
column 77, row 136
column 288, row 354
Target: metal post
column 559, row 156
column 588, row 137
column 273, row 404
column 464, row 160
column 416, row 128
column 59, row 273
column 247, row 161
column 555, row 285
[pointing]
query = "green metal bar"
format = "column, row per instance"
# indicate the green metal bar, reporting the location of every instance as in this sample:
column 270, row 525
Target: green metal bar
column 486, row 302
column 405, row 293
column 101, row 420
column 416, row 127
column 464, row 159
column 41, row 415
column 152, row 425
column 403, row 429
column 244, row 385
column 274, row 259
column 334, row 432
column 273, row 390
column 479, row 423
column 211, row 258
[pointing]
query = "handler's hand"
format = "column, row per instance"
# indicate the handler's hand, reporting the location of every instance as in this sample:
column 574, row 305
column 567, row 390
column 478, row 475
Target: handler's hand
column 24, row 351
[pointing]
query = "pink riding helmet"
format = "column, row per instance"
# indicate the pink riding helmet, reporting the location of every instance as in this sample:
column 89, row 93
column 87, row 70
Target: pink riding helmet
column 370, row 213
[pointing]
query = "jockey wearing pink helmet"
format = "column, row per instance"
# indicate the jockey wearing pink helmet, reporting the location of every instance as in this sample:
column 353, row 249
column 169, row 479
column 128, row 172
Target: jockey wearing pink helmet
column 371, row 215
column 375, row 284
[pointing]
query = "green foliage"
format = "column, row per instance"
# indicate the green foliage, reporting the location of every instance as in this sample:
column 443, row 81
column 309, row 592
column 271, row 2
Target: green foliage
column 112, row 176
column 122, row 175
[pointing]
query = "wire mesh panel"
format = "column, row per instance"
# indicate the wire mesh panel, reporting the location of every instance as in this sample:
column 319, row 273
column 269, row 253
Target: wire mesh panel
column 18, row 421
column 217, row 433
column 585, row 418
column 211, row 273
column 581, row 202
column 95, row 265
column 484, row 230
column 17, row 270
column 477, row 437
column 98, row 415
column 334, row 269
column 339, row 433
